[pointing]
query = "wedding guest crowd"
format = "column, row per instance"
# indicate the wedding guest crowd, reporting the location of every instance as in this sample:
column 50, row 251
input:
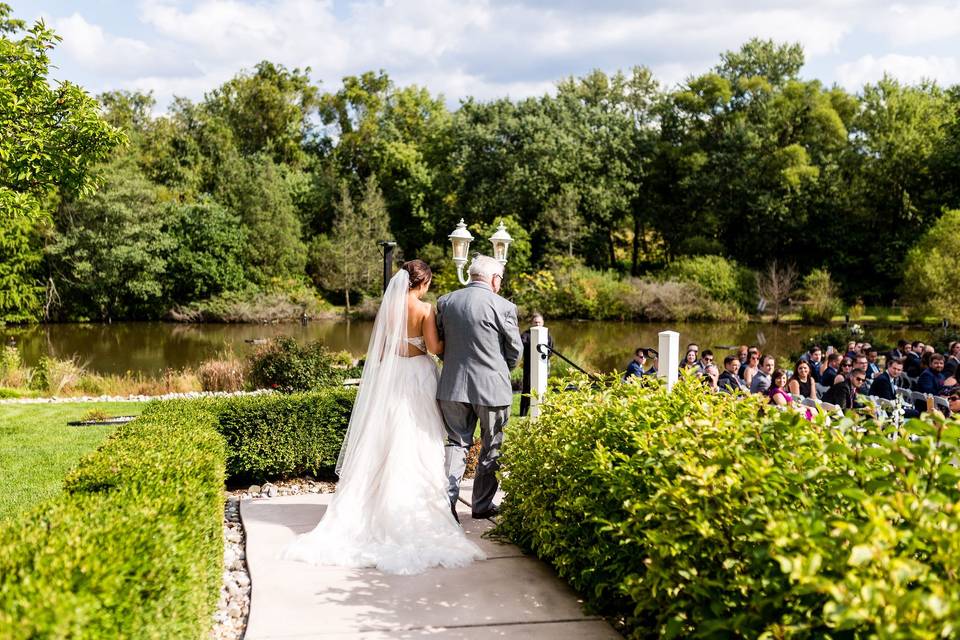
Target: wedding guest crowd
column 823, row 373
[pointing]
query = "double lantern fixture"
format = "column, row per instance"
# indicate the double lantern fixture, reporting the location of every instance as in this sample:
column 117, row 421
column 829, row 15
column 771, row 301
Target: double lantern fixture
column 461, row 239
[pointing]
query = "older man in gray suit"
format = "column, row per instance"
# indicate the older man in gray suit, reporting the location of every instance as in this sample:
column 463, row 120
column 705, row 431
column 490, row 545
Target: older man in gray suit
column 481, row 346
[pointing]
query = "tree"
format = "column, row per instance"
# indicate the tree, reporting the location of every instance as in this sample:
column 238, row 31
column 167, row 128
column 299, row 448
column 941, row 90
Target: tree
column 257, row 190
column 206, row 257
column 349, row 260
column 21, row 293
column 109, row 251
column 932, row 270
column 775, row 284
column 49, row 136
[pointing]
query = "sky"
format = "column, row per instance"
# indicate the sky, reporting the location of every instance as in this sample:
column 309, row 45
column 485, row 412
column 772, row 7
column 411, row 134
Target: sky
column 483, row 48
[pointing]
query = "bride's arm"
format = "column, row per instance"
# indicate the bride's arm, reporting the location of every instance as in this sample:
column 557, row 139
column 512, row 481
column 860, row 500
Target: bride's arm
column 430, row 334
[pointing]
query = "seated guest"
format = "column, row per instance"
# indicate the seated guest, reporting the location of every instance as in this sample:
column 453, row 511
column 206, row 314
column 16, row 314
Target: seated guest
column 846, row 365
column 951, row 364
column 635, row 368
column 760, row 382
column 690, row 361
column 814, row 359
column 829, row 373
column 776, row 392
column 742, row 352
column 706, row 357
column 931, row 379
column 873, row 369
column 886, row 384
column 802, row 385
column 900, row 352
column 861, row 362
column 851, row 350
column 844, row 393
column 954, row 400
column 729, row 382
column 912, row 366
column 711, row 376
column 748, row 370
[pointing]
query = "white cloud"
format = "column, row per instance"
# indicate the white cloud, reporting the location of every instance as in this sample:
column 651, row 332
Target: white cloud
column 492, row 48
column 917, row 23
column 99, row 52
column 907, row 69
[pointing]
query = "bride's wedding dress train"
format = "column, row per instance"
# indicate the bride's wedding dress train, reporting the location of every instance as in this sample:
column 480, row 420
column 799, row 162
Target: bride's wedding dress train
column 390, row 509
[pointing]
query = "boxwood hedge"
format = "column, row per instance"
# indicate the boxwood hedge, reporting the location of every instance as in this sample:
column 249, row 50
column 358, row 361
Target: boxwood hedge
column 133, row 547
column 698, row 515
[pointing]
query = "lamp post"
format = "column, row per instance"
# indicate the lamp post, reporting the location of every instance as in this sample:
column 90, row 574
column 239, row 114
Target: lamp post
column 388, row 247
column 460, row 239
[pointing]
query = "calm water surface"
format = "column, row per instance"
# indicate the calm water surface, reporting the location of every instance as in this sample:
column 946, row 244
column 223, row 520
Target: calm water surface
column 151, row 347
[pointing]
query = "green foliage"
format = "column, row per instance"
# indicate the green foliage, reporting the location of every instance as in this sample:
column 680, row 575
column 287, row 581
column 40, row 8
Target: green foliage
column 133, row 547
column 50, row 136
column 284, row 435
column 821, row 301
column 257, row 190
column 723, row 280
column 278, row 301
column 285, row 365
column 349, row 259
column 932, row 269
column 111, row 250
column 21, row 295
column 572, row 290
column 206, row 257
column 698, row 515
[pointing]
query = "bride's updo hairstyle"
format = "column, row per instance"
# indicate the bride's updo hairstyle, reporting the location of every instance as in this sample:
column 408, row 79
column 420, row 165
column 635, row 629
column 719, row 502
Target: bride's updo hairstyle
column 419, row 272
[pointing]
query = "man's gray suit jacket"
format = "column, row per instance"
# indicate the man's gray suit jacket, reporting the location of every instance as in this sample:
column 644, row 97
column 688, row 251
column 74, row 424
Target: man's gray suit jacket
column 481, row 345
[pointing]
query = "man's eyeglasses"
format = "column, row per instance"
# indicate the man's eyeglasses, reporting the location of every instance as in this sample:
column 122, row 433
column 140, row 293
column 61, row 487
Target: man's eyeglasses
column 859, row 380
column 846, row 364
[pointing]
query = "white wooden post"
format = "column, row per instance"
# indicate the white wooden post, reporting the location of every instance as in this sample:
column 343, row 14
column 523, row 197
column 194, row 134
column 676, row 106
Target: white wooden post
column 668, row 366
column 538, row 370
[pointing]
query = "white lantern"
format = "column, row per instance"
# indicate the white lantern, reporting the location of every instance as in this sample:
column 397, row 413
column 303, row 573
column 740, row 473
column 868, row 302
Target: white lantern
column 460, row 239
column 501, row 243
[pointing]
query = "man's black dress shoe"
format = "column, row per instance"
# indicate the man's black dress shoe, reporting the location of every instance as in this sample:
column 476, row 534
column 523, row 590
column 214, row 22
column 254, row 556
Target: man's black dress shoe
column 492, row 512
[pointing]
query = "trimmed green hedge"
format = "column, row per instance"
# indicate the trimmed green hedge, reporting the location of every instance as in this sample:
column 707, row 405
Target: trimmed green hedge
column 698, row 515
column 133, row 547
column 283, row 435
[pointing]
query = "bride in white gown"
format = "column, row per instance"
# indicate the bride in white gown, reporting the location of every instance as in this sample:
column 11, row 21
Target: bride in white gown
column 391, row 510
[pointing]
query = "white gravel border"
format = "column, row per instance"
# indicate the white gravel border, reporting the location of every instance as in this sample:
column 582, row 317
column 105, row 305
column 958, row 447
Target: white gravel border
column 138, row 398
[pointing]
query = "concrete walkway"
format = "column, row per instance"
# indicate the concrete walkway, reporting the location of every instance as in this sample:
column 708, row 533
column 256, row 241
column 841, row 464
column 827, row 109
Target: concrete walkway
column 509, row 595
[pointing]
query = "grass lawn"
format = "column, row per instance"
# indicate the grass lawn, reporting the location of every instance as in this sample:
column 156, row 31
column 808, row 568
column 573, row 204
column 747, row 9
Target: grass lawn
column 37, row 448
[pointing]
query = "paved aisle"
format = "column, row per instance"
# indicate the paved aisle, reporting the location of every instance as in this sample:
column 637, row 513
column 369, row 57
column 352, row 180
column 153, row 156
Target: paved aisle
column 509, row 595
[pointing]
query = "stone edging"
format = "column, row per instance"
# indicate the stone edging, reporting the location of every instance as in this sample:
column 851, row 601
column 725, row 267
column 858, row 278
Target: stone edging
column 137, row 398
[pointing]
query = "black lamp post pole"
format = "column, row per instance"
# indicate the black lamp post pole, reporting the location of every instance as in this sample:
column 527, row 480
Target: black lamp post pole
column 388, row 248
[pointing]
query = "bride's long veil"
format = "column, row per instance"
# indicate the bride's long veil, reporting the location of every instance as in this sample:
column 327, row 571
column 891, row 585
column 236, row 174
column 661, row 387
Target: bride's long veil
column 363, row 442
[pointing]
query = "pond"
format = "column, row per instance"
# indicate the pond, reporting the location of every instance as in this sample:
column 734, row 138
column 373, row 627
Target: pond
column 151, row 347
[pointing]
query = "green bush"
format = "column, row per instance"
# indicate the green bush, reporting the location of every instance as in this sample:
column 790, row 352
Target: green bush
column 133, row 547
column 821, row 301
column 931, row 279
column 699, row 515
column 571, row 290
column 282, row 435
column 283, row 364
column 721, row 279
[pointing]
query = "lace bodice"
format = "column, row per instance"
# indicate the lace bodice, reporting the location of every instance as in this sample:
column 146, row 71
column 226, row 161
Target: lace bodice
column 418, row 342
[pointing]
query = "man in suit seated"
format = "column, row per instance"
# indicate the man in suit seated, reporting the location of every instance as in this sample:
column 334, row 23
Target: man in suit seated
column 932, row 380
column 635, row 368
column 886, row 384
column 844, row 393
column 728, row 381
